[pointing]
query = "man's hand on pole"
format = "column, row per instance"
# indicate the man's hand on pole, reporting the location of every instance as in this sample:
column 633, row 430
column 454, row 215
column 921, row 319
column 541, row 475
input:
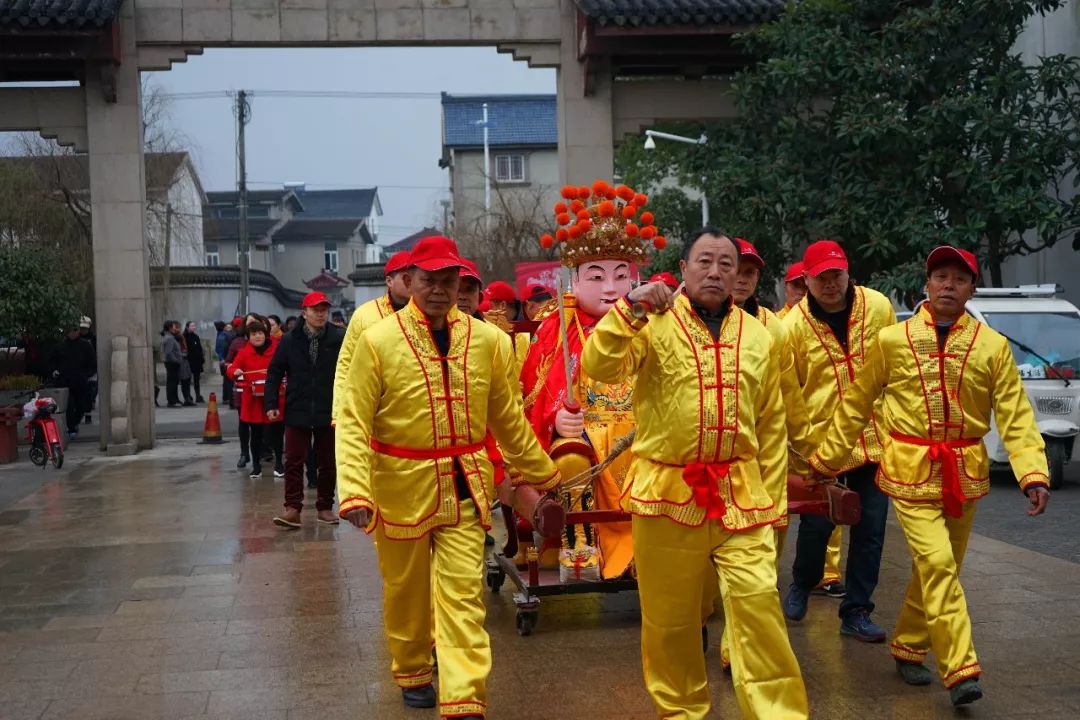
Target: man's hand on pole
column 654, row 297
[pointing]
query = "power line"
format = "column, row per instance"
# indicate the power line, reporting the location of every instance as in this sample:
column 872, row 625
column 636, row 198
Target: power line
column 328, row 94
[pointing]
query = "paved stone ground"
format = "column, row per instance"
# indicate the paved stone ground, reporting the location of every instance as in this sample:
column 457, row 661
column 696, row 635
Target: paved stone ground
column 156, row 587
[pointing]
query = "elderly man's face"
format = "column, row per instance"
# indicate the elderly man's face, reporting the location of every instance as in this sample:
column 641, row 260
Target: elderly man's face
column 709, row 273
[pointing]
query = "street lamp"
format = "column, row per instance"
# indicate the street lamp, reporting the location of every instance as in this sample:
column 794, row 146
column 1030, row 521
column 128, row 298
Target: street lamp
column 650, row 144
column 487, row 171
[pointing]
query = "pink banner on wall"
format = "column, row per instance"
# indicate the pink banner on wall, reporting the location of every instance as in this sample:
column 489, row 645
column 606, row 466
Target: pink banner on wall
column 537, row 273
column 546, row 273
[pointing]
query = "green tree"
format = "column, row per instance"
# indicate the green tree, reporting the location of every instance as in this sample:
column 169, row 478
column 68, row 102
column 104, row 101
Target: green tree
column 35, row 300
column 893, row 127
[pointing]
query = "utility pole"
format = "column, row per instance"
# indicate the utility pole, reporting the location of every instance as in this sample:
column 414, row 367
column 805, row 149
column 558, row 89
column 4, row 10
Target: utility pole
column 167, row 264
column 243, row 116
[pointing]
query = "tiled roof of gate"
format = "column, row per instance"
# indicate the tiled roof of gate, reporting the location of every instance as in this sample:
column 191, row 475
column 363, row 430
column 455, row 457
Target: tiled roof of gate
column 512, row 120
column 680, row 12
column 56, row 14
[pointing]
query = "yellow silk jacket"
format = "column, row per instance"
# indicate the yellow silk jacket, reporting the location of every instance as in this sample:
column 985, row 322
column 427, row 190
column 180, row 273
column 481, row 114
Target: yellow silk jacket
column 825, row 372
column 796, row 418
column 931, row 397
column 362, row 318
column 713, row 406
column 405, row 421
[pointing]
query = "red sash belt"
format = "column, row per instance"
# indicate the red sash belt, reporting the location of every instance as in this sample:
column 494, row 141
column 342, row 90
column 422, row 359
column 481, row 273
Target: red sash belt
column 704, row 480
column 944, row 452
column 424, row 453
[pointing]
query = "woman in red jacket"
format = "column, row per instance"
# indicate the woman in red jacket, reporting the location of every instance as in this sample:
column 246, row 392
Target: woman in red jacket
column 250, row 365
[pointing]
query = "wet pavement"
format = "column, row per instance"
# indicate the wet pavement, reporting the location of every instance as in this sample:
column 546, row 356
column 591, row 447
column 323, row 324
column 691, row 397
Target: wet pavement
column 157, row 587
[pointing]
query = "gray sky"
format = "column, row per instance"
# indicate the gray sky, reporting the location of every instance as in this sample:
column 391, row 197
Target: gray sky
column 339, row 142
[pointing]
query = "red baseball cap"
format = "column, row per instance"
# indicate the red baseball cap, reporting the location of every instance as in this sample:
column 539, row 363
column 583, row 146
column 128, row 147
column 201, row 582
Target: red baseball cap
column 501, row 291
column 315, row 298
column 822, row 256
column 469, row 270
column 666, row 278
column 397, row 261
column 946, row 253
column 794, row 272
column 748, row 252
column 538, row 293
column 435, row 253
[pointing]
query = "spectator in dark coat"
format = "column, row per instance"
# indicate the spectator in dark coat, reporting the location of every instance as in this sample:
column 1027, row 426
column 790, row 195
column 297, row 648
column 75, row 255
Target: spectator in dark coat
column 196, row 356
column 76, row 363
column 307, row 358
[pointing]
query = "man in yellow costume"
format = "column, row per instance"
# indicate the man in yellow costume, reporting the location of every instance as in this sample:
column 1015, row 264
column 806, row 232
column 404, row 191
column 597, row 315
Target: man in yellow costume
column 830, row 331
column 371, row 312
column 710, row 442
column 744, row 295
column 940, row 374
column 831, row 585
column 424, row 387
column 794, row 287
column 581, row 424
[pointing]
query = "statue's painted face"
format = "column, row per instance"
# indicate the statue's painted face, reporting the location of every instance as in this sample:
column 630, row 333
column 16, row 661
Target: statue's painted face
column 599, row 283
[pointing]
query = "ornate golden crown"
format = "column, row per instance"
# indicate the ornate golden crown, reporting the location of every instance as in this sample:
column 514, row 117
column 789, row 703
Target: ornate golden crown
column 602, row 223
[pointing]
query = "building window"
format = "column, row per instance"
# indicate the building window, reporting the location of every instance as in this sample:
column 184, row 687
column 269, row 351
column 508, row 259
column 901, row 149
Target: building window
column 330, row 256
column 213, row 256
column 510, row 168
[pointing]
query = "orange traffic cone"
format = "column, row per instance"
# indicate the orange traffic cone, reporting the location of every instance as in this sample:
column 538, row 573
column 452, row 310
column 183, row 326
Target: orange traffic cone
column 212, row 429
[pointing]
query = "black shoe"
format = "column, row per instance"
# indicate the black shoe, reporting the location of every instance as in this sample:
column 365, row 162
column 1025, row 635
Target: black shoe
column 200, row 400
column 279, row 470
column 419, row 697
column 964, row 692
column 833, row 589
column 189, row 403
column 795, row 603
column 243, row 461
column 256, row 471
column 174, row 405
column 914, row 673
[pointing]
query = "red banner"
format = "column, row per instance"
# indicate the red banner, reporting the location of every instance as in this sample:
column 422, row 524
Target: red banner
column 544, row 273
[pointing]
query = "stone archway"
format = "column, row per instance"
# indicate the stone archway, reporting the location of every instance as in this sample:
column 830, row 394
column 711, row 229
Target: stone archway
column 586, row 41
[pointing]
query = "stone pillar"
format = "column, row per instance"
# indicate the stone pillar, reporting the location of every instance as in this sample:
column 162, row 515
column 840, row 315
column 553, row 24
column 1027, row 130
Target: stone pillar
column 120, row 441
column 121, row 260
column 586, row 132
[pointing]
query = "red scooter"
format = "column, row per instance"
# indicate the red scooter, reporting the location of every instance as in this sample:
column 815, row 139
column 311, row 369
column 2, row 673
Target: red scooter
column 41, row 431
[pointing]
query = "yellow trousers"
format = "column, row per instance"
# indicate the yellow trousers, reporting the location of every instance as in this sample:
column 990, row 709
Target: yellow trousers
column 674, row 564
column 832, row 559
column 779, row 537
column 443, row 569
column 934, row 614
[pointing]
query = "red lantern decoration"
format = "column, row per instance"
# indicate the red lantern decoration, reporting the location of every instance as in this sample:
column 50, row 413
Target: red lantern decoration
column 577, row 206
column 561, row 234
column 562, row 219
column 641, row 200
column 568, row 192
column 647, row 218
column 629, row 211
column 606, row 209
column 547, row 242
column 560, row 207
column 659, row 242
column 631, row 230
column 648, row 232
column 625, row 193
column 583, row 215
column 575, row 232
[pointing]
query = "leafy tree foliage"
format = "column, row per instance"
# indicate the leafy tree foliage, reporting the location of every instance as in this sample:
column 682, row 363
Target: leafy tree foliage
column 894, row 127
